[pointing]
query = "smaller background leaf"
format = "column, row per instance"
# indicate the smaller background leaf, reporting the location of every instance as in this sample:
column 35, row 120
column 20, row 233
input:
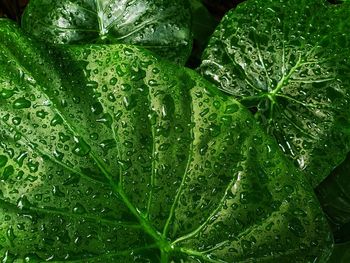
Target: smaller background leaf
column 341, row 253
column 203, row 25
column 160, row 25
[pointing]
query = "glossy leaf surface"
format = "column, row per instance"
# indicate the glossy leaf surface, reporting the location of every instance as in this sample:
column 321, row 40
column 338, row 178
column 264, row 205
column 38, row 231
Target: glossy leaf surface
column 288, row 61
column 108, row 154
column 160, row 25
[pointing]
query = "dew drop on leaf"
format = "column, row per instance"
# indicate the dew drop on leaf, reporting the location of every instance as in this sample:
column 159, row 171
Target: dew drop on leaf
column 231, row 109
column 81, row 148
column 6, row 93
column 3, row 160
column 21, row 103
column 96, row 108
column 10, row 234
column 79, row 209
column 16, row 121
column 56, row 120
column 23, row 202
column 106, row 119
column 296, row 227
column 57, row 192
column 8, row 171
column 20, row 158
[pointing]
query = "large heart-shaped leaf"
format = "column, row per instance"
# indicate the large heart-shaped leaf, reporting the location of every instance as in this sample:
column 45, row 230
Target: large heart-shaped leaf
column 289, row 62
column 160, row 25
column 116, row 156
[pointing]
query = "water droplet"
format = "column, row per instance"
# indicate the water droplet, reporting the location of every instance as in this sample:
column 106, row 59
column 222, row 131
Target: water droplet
column 231, row 109
column 56, row 120
column 97, row 108
column 296, row 227
column 10, row 234
column 113, row 81
column 164, row 146
column 79, row 209
column 94, row 136
column 23, row 203
column 63, row 138
column 38, row 197
column 106, row 145
column 16, row 120
column 106, row 120
column 203, row 150
column 128, row 144
column 118, row 115
column 6, row 94
column 58, row 155
column 214, row 130
column 8, row 171
column 153, row 83
column 3, row 160
column 33, row 166
column 111, row 97
column 20, row 159
column 130, row 102
column 76, row 99
column 217, row 104
column 21, row 103
column 81, row 148
column 41, row 114
column 57, row 192
column 204, row 112
column 168, row 107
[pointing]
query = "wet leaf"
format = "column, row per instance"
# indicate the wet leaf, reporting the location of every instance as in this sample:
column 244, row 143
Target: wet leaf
column 288, row 61
column 162, row 26
column 121, row 157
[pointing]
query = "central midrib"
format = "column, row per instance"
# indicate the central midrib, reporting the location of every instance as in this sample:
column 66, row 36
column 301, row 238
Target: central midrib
column 100, row 15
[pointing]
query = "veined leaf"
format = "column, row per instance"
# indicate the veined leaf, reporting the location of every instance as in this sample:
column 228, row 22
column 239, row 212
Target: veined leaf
column 159, row 25
column 288, row 61
column 108, row 154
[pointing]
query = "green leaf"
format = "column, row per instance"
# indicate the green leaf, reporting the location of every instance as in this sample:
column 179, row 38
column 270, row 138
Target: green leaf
column 203, row 26
column 334, row 196
column 108, row 154
column 341, row 253
column 160, row 25
column 203, row 23
column 288, row 61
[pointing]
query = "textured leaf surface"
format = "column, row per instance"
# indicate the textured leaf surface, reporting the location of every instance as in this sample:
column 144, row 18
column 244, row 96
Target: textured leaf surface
column 117, row 157
column 160, row 25
column 289, row 62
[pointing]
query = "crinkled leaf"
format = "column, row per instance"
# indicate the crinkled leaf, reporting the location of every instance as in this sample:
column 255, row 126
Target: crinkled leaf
column 115, row 156
column 159, row 25
column 289, row 62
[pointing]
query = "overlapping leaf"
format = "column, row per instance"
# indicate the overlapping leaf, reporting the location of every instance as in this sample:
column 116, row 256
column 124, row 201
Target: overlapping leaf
column 160, row 25
column 288, row 61
column 109, row 155
column 334, row 195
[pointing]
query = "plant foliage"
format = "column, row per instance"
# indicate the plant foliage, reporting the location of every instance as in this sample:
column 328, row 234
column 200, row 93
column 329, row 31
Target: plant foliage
column 109, row 154
column 288, row 61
